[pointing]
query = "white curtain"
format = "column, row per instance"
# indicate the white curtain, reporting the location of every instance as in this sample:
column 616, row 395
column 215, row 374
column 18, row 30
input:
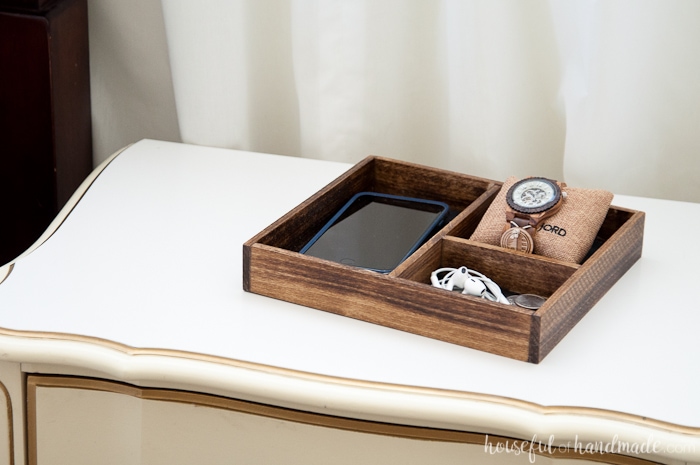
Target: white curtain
column 597, row 93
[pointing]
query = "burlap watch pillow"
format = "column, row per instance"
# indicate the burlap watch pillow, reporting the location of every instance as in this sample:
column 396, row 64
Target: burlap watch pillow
column 567, row 235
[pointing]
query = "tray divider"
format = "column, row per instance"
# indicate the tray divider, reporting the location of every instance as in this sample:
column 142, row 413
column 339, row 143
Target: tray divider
column 426, row 257
column 466, row 220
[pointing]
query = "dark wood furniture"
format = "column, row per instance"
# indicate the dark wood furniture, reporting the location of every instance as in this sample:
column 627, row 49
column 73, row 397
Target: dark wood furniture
column 45, row 117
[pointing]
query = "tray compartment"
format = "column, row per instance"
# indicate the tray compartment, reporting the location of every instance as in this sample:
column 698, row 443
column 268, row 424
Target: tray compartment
column 512, row 271
column 615, row 218
column 374, row 174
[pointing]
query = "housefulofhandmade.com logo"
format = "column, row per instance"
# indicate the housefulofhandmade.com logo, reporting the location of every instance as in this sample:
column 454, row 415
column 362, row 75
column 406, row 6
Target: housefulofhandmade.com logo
column 536, row 446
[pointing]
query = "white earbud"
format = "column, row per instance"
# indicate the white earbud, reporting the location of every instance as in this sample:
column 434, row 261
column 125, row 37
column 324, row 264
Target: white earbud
column 458, row 278
column 461, row 278
column 473, row 286
column 435, row 280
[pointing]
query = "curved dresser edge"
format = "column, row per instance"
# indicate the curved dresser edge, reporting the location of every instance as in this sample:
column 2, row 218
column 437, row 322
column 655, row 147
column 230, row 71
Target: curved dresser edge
column 6, row 269
column 342, row 397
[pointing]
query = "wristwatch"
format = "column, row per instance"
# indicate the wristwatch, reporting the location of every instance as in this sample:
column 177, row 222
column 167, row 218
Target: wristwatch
column 528, row 202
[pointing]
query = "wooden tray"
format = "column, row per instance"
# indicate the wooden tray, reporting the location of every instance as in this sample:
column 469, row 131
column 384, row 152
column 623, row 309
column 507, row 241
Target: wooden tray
column 405, row 300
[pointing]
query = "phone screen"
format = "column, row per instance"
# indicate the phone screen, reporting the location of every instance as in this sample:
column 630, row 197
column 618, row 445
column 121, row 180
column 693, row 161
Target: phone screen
column 377, row 231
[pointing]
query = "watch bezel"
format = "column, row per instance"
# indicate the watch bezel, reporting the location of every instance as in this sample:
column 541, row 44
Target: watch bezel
column 539, row 209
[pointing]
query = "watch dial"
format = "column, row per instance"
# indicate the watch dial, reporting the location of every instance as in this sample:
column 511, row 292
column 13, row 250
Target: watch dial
column 533, row 195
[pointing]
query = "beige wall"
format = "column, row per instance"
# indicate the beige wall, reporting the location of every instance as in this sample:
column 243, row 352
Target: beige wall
column 132, row 92
column 600, row 95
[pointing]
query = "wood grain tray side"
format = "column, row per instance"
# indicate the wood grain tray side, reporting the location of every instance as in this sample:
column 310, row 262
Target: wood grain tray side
column 405, row 300
column 622, row 235
column 384, row 300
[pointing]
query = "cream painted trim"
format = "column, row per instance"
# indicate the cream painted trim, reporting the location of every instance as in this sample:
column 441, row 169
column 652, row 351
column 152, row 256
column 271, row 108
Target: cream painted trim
column 6, row 269
column 10, row 423
column 349, row 398
column 207, row 400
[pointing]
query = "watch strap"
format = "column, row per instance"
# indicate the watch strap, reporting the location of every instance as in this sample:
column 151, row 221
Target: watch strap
column 512, row 217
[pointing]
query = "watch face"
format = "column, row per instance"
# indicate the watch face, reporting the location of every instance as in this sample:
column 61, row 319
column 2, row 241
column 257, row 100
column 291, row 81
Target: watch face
column 533, row 195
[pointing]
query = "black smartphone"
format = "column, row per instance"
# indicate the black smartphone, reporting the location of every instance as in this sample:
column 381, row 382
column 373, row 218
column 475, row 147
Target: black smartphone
column 377, row 231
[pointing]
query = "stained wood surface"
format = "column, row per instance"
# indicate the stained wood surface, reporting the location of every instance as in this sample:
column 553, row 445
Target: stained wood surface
column 384, row 300
column 595, row 277
column 405, row 299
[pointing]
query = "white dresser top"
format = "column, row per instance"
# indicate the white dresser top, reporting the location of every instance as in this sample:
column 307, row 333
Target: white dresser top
column 149, row 263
